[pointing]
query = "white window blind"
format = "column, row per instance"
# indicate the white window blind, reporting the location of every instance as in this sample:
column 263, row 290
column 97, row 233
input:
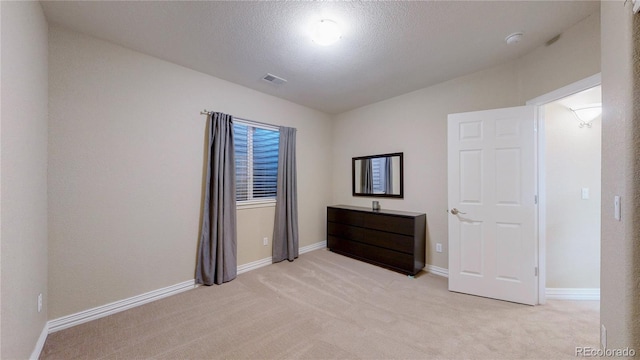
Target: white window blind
column 256, row 151
column 378, row 166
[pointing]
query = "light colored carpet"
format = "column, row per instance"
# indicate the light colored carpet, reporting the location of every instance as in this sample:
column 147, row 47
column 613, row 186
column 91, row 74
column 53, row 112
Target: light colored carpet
column 325, row 305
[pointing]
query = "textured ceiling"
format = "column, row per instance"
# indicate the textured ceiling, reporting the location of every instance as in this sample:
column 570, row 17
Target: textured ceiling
column 387, row 48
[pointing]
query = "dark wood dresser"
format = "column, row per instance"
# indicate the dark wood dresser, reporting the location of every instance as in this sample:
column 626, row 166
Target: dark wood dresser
column 391, row 239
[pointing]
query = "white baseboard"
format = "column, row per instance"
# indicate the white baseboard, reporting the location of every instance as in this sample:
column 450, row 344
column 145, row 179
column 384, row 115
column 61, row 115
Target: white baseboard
column 267, row 261
column 315, row 246
column 35, row 355
column 117, row 306
column 572, row 294
column 436, row 270
column 550, row 293
column 254, row 265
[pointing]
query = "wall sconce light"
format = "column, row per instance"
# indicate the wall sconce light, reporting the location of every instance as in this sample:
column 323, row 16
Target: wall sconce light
column 586, row 114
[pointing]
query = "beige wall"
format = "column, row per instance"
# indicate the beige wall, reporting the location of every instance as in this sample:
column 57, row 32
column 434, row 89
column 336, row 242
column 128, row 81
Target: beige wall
column 573, row 223
column 575, row 56
column 258, row 224
column 24, row 177
column 416, row 123
column 619, row 289
column 126, row 152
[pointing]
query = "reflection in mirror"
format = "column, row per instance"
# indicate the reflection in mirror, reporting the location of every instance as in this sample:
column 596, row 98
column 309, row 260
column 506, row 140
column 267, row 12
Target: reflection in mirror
column 378, row 175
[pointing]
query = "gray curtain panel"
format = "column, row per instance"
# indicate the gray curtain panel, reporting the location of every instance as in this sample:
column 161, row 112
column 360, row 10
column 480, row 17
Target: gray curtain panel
column 285, row 230
column 217, row 254
column 366, row 176
column 388, row 175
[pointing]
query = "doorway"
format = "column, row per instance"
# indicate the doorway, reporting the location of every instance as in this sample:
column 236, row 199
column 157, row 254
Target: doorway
column 573, row 147
column 502, row 257
column 569, row 148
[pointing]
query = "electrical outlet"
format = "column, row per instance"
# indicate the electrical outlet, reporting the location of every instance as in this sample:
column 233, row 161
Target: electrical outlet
column 265, row 241
column 603, row 336
column 39, row 302
column 438, row 247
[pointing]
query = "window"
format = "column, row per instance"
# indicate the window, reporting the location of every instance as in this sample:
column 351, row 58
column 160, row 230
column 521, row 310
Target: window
column 378, row 168
column 256, row 149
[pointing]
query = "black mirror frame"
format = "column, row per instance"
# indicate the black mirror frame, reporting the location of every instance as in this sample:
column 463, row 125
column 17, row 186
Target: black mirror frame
column 353, row 176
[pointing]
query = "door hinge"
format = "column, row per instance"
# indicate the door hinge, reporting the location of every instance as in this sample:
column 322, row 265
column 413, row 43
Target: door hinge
column 535, row 199
column 536, row 271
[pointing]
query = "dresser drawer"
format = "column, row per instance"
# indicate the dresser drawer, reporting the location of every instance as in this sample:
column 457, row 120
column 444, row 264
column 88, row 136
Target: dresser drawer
column 383, row 257
column 382, row 239
column 372, row 220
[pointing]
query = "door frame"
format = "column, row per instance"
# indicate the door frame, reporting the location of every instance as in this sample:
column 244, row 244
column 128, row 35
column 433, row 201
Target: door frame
column 539, row 102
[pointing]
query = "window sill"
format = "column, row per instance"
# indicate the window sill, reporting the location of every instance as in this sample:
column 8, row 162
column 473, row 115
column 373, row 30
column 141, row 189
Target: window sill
column 242, row 205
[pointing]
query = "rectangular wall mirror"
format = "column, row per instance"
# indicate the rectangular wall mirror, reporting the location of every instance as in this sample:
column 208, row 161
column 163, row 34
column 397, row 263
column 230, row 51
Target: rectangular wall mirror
column 378, row 175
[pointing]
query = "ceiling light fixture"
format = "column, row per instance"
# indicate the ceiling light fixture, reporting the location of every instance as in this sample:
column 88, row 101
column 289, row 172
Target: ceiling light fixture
column 325, row 32
column 586, row 114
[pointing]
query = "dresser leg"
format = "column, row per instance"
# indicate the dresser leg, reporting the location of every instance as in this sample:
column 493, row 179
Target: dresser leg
column 411, row 276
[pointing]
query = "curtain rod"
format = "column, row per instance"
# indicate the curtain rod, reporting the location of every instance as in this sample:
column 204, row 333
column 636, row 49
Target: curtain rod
column 208, row 113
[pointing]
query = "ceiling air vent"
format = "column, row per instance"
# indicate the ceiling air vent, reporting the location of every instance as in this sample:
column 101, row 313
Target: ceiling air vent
column 276, row 80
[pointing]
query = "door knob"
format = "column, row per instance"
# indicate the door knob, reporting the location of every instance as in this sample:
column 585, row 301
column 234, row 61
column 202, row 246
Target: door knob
column 455, row 211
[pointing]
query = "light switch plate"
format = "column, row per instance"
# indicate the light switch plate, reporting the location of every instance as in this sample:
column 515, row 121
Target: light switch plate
column 585, row 193
column 616, row 208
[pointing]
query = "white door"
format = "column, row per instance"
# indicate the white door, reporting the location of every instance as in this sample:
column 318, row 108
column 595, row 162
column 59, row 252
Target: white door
column 492, row 204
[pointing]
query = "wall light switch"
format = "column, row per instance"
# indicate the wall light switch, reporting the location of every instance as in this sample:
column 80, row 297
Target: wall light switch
column 585, row 193
column 616, row 208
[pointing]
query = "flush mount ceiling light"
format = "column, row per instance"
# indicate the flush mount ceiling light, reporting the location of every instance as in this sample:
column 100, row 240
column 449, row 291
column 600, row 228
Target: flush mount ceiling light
column 325, row 32
column 586, row 114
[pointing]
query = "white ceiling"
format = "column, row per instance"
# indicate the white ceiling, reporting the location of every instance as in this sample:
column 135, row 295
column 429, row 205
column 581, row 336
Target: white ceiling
column 387, row 48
